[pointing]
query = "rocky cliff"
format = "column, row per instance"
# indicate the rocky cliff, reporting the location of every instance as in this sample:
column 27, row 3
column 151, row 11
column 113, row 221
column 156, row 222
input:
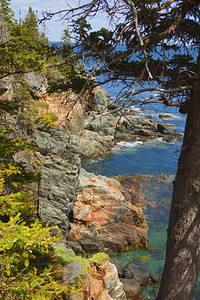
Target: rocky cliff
column 58, row 161
column 103, row 210
column 103, row 214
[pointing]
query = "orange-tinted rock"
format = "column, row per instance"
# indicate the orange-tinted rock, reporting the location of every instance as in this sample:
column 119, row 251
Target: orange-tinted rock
column 104, row 217
column 60, row 104
column 101, row 283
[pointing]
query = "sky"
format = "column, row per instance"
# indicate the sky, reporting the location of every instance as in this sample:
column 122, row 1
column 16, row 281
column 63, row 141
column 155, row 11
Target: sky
column 54, row 27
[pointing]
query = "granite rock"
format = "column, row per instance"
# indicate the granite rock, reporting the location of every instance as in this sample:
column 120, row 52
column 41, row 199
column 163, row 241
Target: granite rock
column 58, row 160
column 100, row 283
column 113, row 284
column 104, row 218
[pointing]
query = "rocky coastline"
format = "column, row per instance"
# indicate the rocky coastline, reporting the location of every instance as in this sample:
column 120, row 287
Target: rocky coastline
column 93, row 213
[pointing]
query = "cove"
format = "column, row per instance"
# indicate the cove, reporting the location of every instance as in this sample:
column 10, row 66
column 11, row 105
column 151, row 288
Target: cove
column 154, row 157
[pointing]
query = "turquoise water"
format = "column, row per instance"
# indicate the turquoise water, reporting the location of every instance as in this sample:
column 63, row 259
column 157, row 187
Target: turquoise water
column 153, row 157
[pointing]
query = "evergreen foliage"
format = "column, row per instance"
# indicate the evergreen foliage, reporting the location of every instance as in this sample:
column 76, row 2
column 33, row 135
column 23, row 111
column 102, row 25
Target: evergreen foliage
column 30, row 266
column 25, row 48
column 6, row 11
column 27, row 261
column 71, row 74
column 26, row 253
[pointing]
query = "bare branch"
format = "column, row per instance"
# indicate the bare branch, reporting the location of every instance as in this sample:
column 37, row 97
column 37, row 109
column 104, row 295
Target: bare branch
column 178, row 89
column 163, row 6
column 47, row 15
column 120, row 35
column 165, row 100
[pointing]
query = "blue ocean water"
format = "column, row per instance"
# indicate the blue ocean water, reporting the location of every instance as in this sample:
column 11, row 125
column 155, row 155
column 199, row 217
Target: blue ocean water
column 153, row 157
column 136, row 157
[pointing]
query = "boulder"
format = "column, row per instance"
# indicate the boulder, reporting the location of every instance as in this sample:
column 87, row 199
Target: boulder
column 102, row 124
column 100, row 99
column 164, row 129
column 113, row 284
column 93, row 144
column 132, row 288
column 165, row 116
column 101, row 282
column 120, row 270
column 97, row 100
column 136, row 270
column 104, row 218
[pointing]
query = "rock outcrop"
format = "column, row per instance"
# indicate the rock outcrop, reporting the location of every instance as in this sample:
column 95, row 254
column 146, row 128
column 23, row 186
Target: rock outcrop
column 97, row 101
column 132, row 288
column 104, row 217
column 134, row 277
column 101, row 133
column 58, row 161
column 100, row 283
column 35, row 83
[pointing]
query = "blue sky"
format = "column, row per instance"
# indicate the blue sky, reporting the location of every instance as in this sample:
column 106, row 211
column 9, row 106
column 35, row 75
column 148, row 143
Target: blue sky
column 54, row 27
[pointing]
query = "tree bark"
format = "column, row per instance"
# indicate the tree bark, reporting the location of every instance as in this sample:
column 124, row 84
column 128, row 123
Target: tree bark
column 182, row 262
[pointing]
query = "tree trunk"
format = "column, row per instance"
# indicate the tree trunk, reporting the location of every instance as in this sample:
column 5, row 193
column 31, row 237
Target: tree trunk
column 182, row 261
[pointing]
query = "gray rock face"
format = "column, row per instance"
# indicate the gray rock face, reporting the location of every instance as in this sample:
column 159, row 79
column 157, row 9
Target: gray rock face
column 94, row 144
column 104, row 124
column 113, row 284
column 59, row 165
column 38, row 82
column 100, row 99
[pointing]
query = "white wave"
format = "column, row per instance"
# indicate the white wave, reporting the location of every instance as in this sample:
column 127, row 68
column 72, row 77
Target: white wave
column 135, row 108
column 94, row 160
column 130, row 144
column 158, row 140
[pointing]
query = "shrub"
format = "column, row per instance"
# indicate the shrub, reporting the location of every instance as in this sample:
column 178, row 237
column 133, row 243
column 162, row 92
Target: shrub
column 26, row 261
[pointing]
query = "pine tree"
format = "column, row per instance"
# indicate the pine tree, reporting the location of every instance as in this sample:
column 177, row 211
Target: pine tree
column 6, row 11
column 24, row 49
column 31, row 30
